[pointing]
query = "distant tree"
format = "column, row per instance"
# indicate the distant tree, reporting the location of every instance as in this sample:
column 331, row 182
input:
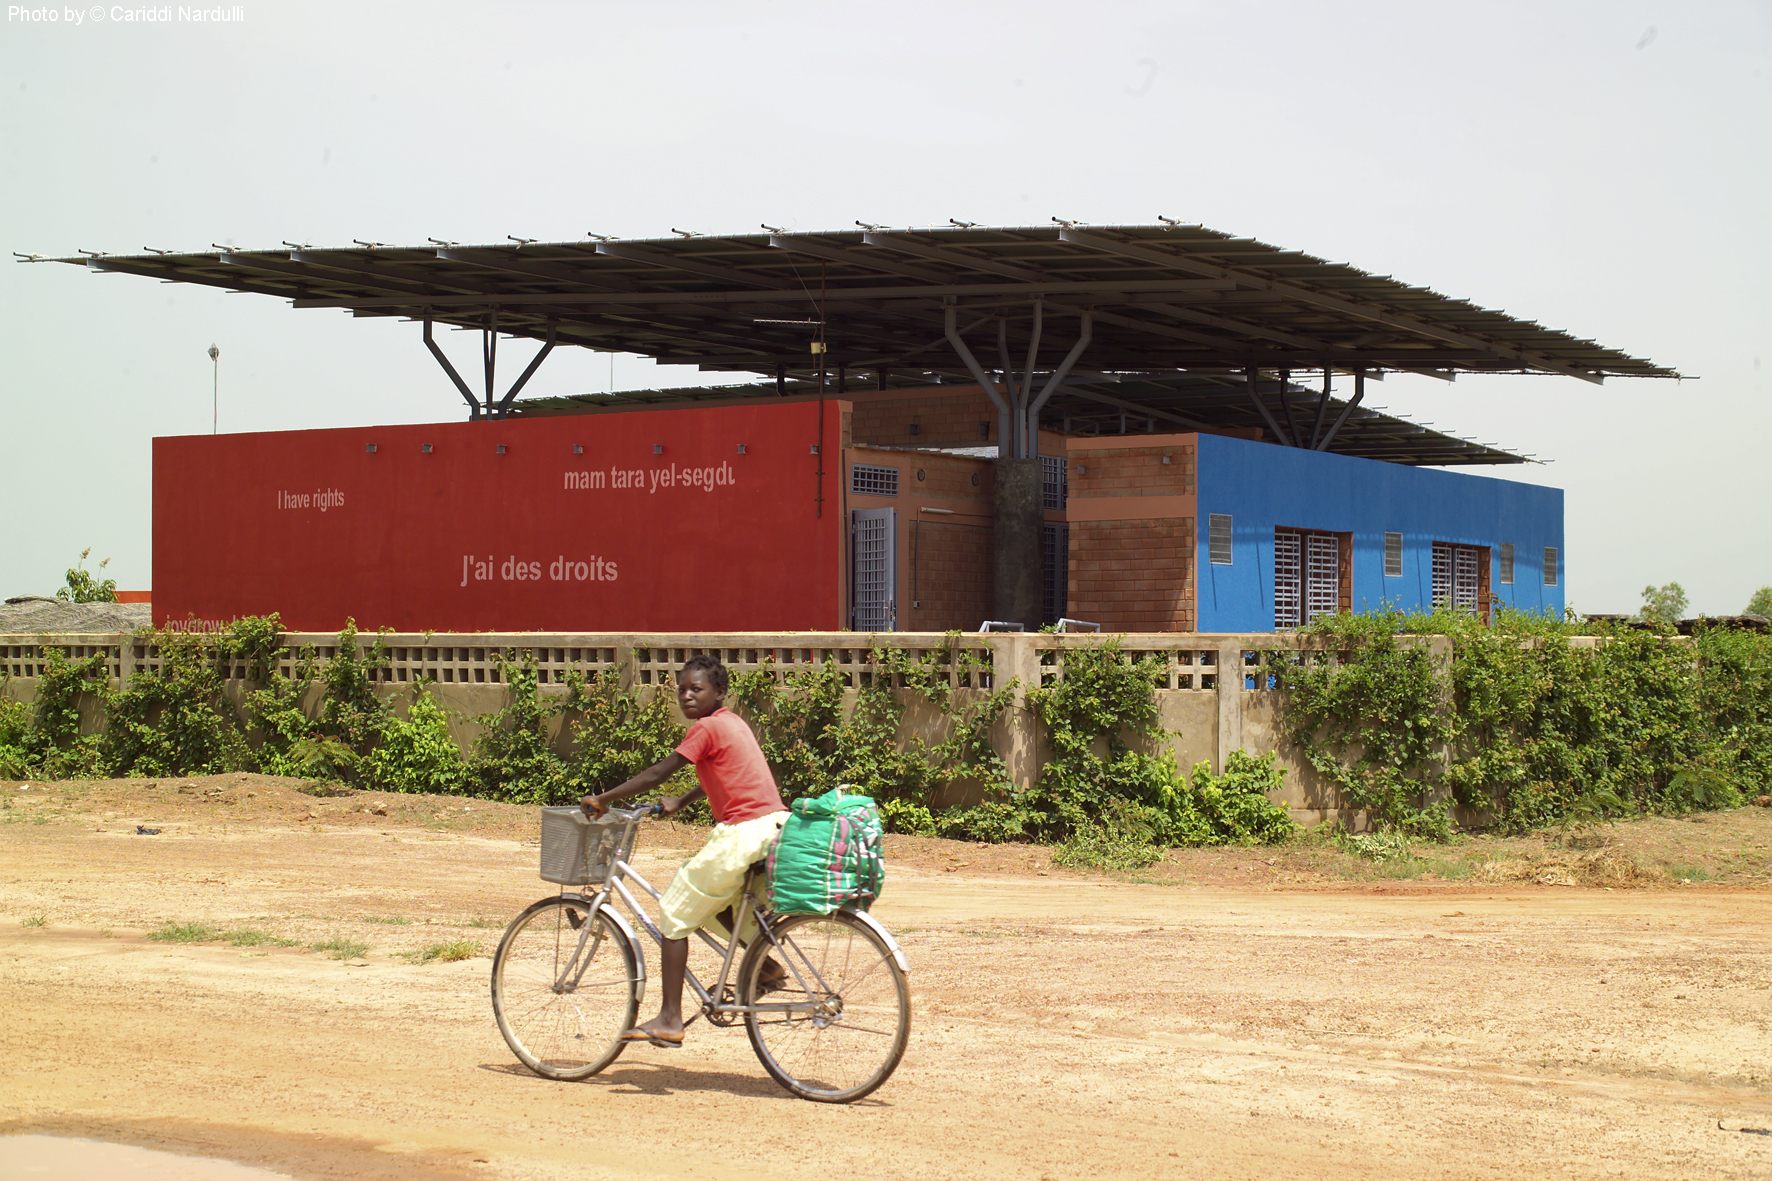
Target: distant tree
column 1761, row 603
column 84, row 587
column 1666, row 604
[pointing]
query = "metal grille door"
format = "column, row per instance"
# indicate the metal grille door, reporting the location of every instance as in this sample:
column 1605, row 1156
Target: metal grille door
column 1323, row 581
column 874, row 588
column 1464, row 578
column 1457, row 578
column 1055, row 556
column 1288, row 578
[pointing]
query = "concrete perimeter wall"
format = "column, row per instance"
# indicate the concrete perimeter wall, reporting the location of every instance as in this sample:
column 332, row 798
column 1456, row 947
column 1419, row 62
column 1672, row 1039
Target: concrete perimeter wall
column 1212, row 693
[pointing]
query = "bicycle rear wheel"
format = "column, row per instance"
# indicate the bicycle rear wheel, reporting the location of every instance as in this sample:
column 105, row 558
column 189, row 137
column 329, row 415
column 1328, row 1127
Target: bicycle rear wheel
column 836, row 1029
column 565, row 986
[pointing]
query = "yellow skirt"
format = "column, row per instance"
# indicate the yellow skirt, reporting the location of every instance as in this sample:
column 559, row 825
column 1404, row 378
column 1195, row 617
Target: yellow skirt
column 713, row 879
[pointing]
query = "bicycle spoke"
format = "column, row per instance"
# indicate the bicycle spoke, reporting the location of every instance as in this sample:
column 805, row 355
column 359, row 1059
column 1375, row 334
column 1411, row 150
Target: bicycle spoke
column 841, row 1033
column 558, row 1029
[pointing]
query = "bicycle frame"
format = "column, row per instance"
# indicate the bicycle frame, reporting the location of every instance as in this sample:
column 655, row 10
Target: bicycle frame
column 616, row 886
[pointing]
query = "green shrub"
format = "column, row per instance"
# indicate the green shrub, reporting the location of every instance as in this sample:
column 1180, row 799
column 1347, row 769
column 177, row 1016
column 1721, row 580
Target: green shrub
column 512, row 759
column 417, row 753
column 617, row 735
column 1526, row 728
column 813, row 743
column 1121, row 837
column 176, row 720
column 53, row 745
column 84, row 587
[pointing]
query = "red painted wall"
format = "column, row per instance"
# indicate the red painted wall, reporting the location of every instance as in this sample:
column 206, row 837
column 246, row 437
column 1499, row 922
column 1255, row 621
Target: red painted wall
column 699, row 538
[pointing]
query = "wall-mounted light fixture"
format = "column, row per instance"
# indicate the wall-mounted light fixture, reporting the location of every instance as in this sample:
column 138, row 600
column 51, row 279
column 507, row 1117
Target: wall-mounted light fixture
column 658, row 448
column 741, row 448
column 501, row 448
column 984, row 430
column 578, row 448
column 369, row 447
column 426, row 448
column 815, row 449
column 1165, row 459
column 1081, row 470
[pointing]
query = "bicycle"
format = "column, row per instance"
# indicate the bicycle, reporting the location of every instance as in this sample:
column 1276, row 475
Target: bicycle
column 569, row 973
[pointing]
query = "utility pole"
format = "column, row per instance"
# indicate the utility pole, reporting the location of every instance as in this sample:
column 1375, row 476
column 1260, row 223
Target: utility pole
column 215, row 390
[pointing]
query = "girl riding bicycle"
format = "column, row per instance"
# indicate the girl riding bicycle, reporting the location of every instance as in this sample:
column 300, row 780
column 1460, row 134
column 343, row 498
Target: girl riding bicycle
column 731, row 772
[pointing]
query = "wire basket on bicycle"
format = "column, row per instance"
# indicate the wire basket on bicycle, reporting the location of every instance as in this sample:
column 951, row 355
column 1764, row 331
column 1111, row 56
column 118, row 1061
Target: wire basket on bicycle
column 578, row 849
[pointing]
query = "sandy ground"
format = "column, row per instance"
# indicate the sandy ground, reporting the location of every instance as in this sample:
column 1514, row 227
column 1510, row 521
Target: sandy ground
column 1202, row 1025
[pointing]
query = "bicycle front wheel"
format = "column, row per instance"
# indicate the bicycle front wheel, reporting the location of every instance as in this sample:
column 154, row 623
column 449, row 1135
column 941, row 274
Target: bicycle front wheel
column 566, row 985
column 837, row 1027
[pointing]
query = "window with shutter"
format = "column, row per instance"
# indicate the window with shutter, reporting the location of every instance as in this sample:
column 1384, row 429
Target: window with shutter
column 1288, row 578
column 1460, row 578
column 1507, row 563
column 1307, row 576
column 1550, row 565
column 868, row 480
column 1393, row 555
column 1054, row 480
column 1218, row 539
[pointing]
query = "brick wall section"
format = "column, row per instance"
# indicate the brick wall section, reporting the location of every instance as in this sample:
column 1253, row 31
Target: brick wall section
column 1133, row 471
column 950, row 577
column 943, row 418
column 1134, row 575
column 944, row 559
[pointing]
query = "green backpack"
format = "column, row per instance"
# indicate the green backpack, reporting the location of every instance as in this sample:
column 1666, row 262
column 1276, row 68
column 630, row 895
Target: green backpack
column 828, row 854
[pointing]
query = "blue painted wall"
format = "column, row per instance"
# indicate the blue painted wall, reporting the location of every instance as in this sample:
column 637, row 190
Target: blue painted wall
column 1263, row 486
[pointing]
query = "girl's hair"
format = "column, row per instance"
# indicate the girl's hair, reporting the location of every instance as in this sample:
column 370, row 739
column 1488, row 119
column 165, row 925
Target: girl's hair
column 703, row 663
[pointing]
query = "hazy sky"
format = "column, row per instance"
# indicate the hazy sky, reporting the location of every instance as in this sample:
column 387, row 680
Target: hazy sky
column 1604, row 168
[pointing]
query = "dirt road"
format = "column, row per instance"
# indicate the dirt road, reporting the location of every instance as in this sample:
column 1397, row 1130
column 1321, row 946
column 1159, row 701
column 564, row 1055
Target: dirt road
column 1065, row 1026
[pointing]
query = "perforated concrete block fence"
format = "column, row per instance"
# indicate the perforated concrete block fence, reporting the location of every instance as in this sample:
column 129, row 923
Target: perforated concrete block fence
column 1212, row 691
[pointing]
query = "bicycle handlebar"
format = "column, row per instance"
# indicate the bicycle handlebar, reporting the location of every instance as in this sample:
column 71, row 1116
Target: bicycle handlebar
column 632, row 813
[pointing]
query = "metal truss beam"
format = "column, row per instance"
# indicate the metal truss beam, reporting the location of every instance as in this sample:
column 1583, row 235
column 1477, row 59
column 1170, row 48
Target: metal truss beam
column 659, row 258
column 1333, row 303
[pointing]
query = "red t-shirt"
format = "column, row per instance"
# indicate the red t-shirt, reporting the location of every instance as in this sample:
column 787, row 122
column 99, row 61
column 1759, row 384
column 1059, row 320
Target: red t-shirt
column 730, row 767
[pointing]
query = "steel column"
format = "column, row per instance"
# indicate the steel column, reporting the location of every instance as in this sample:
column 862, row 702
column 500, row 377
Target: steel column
column 466, row 393
column 1057, row 378
column 1322, row 408
column 1359, row 392
column 504, row 403
column 1266, row 415
column 978, row 373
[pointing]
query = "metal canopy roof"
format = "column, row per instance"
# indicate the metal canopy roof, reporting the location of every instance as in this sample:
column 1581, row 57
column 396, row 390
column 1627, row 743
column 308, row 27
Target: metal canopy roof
column 1178, row 313
column 1108, row 404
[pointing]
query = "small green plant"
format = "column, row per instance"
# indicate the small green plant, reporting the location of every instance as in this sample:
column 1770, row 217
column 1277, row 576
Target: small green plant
column 445, row 953
column 84, row 587
column 253, row 937
column 1379, row 847
column 1663, row 606
column 1120, row 838
column 512, row 759
column 340, row 948
column 391, row 920
column 417, row 752
column 36, row 920
column 191, row 932
column 1689, row 873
